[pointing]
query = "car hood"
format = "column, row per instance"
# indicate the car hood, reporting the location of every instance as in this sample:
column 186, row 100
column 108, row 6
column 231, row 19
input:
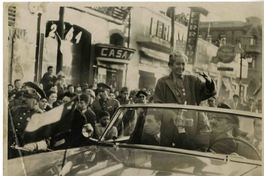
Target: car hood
column 126, row 160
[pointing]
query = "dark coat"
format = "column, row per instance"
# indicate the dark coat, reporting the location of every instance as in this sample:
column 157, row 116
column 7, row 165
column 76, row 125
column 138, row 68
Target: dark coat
column 47, row 81
column 79, row 120
column 110, row 105
column 166, row 90
column 18, row 118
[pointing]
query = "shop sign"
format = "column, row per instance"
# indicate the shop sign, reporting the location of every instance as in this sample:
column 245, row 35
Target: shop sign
column 225, row 68
column 226, row 53
column 192, row 36
column 119, row 13
column 72, row 33
column 108, row 51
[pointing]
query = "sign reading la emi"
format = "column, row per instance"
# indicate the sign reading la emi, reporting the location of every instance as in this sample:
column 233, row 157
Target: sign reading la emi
column 226, row 53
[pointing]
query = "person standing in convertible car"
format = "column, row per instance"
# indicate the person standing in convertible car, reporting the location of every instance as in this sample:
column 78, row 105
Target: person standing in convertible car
column 183, row 88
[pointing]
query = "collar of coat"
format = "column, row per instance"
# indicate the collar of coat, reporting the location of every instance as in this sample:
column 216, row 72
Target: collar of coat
column 176, row 92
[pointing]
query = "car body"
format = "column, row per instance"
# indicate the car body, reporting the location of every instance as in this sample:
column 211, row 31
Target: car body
column 130, row 153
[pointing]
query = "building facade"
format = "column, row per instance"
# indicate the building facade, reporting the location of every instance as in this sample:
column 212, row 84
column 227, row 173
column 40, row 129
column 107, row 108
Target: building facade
column 120, row 46
column 249, row 35
column 86, row 44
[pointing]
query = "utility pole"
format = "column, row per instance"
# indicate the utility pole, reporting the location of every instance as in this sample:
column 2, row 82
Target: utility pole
column 129, row 28
column 172, row 16
column 37, row 48
column 61, row 37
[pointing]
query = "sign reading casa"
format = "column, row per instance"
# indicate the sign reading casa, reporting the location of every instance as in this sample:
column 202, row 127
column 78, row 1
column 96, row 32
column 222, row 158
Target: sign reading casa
column 113, row 52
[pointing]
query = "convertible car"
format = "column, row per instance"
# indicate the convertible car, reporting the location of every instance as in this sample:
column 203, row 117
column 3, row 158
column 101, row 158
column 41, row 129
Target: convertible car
column 159, row 139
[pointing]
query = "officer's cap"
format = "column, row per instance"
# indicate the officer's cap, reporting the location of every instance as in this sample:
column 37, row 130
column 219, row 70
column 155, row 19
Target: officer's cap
column 102, row 87
column 33, row 91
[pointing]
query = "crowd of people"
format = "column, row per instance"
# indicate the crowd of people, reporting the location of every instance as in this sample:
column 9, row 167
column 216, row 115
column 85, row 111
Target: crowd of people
column 96, row 106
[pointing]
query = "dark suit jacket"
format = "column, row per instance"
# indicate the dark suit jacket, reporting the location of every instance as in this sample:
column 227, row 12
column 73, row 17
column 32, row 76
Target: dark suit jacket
column 76, row 137
column 196, row 91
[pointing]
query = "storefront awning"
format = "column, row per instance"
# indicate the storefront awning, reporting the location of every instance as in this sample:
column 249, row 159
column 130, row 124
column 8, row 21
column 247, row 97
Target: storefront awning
column 154, row 43
column 105, row 59
column 146, row 52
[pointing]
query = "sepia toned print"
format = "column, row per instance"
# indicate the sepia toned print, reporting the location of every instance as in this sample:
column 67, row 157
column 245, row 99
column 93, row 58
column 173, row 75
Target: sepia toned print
column 132, row 88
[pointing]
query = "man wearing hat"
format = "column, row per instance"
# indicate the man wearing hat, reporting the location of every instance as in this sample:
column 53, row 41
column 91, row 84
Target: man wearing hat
column 103, row 102
column 223, row 126
column 19, row 115
column 183, row 88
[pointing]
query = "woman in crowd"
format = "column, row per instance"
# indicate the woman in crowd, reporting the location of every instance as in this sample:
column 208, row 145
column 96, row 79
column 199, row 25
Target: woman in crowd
column 52, row 98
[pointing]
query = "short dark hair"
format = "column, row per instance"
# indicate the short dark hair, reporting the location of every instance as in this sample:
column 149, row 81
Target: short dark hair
column 50, row 92
column 49, row 67
column 70, row 85
column 223, row 105
column 124, row 89
column 84, row 97
column 103, row 114
column 17, row 80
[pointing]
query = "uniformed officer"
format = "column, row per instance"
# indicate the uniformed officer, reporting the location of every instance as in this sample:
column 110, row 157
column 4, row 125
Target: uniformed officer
column 103, row 102
column 19, row 115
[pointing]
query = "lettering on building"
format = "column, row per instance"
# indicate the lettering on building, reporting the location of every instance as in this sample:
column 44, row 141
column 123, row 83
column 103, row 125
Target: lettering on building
column 72, row 33
column 159, row 29
column 192, row 36
column 108, row 51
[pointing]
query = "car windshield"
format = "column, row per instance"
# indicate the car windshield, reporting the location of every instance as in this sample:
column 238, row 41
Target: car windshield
column 211, row 131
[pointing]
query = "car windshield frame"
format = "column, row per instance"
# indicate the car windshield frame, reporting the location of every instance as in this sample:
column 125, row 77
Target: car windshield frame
column 245, row 114
column 252, row 115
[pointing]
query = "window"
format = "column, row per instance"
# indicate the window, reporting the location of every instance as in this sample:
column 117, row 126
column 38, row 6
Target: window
column 159, row 29
column 253, row 40
column 117, row 39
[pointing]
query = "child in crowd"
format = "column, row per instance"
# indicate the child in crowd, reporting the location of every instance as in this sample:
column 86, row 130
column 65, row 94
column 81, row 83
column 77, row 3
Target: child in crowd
column 104, row 119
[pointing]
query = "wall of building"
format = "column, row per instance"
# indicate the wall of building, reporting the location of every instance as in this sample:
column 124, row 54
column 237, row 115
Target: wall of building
column 24, row 47
column 144, row 29
column 22, row 42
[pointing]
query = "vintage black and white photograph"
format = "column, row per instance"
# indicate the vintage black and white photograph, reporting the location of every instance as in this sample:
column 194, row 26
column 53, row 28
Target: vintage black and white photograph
column 132, row 88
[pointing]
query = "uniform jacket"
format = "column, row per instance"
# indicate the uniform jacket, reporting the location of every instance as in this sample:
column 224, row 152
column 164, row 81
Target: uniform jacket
column 18, row 118
column 166, row 90
column 110, row 105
